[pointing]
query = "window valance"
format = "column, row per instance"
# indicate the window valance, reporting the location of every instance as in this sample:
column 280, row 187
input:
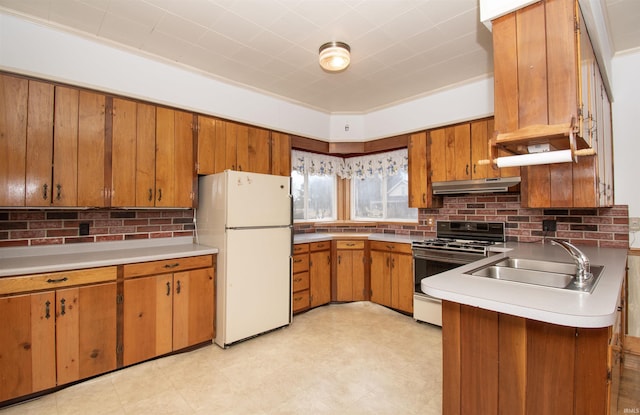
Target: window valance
column 382, row 164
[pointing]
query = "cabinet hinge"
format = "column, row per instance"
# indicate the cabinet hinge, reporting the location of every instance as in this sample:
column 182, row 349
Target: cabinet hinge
column 119, row 298
column 119, row 349
column 197, row 166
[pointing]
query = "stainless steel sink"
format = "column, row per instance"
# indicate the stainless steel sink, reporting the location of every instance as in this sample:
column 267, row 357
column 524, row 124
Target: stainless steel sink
column 545, row 273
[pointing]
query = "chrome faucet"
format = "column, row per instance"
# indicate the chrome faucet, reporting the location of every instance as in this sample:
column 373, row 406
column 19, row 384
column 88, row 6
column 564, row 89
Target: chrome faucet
column 582, row 262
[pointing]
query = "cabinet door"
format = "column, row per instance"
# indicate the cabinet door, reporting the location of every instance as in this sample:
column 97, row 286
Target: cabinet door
column 92, row 186
column 165, row 157
column 320, row 277
column 402, row 285
column 39, row 144
column 381, row 278
column 85, row 331
column 344, row 276
column 231, row 146
column 65, row 147
column 148, row 318
column 193, row 303
column 145, row 155
column 185, row 171
column 206, row 144
column 459, row 149
column 123, row 153
column 351, row 275
column 280, row 154
column 13, row 139
column 438, row 153
column 258, row 150
column 419, row 189
column 27, row 345
column 480, row 151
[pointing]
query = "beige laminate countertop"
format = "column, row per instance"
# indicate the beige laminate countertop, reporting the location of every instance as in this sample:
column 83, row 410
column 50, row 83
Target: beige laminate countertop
column 51, row 258
column 303, row 238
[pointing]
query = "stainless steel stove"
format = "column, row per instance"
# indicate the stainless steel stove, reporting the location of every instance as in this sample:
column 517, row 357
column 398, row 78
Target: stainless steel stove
column 456, row 243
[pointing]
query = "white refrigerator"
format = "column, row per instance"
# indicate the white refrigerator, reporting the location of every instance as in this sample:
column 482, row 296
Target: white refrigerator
column 247, row 216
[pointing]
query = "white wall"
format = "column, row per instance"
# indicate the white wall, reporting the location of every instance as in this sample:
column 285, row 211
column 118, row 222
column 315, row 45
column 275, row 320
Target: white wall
column 626, row 133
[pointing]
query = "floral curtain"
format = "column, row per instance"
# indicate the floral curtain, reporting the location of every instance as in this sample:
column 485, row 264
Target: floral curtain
column 381, row 164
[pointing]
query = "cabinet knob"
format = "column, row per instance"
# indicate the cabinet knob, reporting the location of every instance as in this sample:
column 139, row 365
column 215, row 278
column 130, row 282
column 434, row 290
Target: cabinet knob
column 168, row 289
column 59, row 194
column 150, row 195
column 63, row 307
column 159, row 195
column 45, row 187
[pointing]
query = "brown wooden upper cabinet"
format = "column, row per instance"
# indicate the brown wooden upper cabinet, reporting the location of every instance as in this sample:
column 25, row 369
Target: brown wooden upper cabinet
column 69, row 147
column 26, row 132
column 545, row 74
column 226, row 145
column 420, row 163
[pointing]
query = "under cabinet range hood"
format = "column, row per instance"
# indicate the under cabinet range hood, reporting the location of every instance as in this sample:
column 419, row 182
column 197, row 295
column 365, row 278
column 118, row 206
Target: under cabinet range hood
column 492, row 185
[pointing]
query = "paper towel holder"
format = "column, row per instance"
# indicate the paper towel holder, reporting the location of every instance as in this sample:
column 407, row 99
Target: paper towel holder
column 552, row 142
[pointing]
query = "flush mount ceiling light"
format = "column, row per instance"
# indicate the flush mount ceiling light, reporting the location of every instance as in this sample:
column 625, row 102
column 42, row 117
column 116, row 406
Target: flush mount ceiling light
column 334, row 56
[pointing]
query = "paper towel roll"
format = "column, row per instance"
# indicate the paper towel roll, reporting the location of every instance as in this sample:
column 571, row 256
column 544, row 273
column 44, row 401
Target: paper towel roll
column 548, row 157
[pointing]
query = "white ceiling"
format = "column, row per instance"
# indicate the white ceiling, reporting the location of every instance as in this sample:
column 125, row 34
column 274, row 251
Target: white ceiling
column 401, row 49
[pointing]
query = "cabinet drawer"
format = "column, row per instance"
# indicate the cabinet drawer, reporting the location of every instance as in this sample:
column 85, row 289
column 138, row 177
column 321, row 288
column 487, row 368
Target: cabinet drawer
column 300, row 263
column 169, row 265
column 300, row 300
column 319, row 246
column 390, row 246
column 53, row 280
column 350, row 244
column 300, row 281
column 300, row 248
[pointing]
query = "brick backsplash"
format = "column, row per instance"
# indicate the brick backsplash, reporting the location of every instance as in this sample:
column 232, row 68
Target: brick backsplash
column 47, row 227
column 604, row 227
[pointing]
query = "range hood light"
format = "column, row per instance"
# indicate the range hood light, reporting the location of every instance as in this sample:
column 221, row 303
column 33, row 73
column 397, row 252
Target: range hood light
column 499, row 184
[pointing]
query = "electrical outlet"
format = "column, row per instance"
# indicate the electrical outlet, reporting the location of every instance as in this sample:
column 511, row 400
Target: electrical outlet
column 549, row 225
column 83, row 228
column 634, row 224
column 430, row 221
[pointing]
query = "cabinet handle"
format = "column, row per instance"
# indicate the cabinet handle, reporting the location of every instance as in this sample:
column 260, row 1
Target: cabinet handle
column 295, row 261
column 168, row 289
column 351, row 244
column 178, row 287
column 339, row 258
column 47, row 309
column 328, row 260
column 45, row 187
column 467, row 169
column 58, row 195
column 390, row 246
column 159, row 195
column 387, row 261
column 63, row 307
column 169, row 266
column 393, row 263
column 52, row 281
column 424, row 198
column 297, row 280
column 474, row 168
column 150, row 195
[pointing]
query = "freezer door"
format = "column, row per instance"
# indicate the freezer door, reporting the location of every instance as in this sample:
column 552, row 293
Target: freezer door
column 257, row 200
column 258, row 282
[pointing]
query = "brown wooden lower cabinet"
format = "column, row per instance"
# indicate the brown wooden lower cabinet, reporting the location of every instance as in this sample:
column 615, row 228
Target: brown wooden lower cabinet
column 169, row 311
column 61, row 327
column 496, row 363
column 311, row 285
column 57, row 336
column 350, row 282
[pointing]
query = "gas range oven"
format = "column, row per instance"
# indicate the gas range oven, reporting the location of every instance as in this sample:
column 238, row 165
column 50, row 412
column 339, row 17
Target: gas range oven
column 457, row 243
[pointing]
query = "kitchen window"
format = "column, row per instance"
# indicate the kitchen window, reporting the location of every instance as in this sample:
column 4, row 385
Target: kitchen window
column 314, row 187
column 378, row 186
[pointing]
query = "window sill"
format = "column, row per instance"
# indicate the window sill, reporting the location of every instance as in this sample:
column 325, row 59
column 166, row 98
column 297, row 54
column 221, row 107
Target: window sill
column 343, row 223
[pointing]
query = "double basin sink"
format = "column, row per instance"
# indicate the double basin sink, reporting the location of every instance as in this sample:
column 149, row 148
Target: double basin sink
column 561, row 275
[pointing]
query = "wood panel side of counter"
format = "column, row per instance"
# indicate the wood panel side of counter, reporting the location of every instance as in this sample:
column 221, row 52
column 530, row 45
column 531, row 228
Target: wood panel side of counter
column 498, row 364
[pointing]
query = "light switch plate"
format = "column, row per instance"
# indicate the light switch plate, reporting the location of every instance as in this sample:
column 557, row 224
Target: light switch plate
column 634, row 224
